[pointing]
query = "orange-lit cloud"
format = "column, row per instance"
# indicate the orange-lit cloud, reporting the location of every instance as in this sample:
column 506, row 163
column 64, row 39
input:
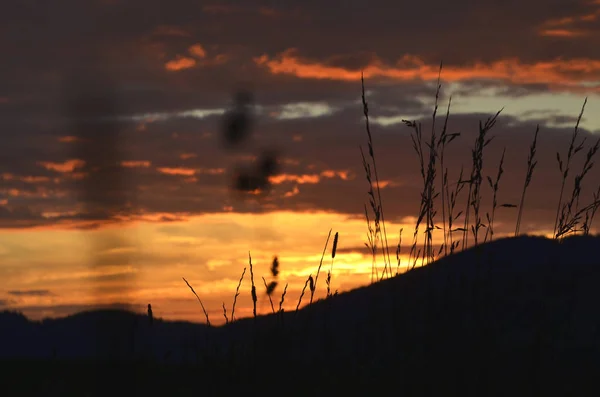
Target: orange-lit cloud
column 301, row 179
column 294, row 192
column 569, row 27
column 198, row 57
column 39, row 192
column 563, row 33
column 590, row 17
column 65, row 167
column 185, row 156
column 197, row 50
column 135, row 164
column 561, row 21
column 308, row 178
column 35, row 179
column 177, row 171
column 560, row 72
column 212, row 171
column 68, row 139
column 180, row 63
column 27, row 179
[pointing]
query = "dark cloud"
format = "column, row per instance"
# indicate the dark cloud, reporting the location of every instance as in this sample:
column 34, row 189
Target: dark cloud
column 329, row 144
column 52, row 52
column 33, row 292
column 43, row 46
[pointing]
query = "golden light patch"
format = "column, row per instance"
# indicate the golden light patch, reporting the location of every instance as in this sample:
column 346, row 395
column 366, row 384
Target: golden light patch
column 191, row 247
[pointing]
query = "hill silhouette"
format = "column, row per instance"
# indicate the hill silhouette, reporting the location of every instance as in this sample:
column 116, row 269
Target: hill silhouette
column 513, row 316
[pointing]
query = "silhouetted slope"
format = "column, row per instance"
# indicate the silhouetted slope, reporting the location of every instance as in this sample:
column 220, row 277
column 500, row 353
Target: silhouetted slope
column 513, row 317
column 101, row 333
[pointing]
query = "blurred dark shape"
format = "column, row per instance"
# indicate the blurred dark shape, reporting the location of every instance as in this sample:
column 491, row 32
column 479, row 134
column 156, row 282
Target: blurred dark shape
column 257, row 179
column 275, row 267
column 244, row 98
column 271, row 287
column 238, row 122
column 150, row 318
column 91, row 105
column 248, row 182
column 237, row 125
column 268, row 164
column 91, row 101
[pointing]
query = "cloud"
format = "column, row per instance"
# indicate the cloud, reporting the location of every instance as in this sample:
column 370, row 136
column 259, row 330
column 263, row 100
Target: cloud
column 170, row 161
column 135, row 164
column 177, row 171
column 65, row 167
column 323, row 171
column 197, row 50
column 563, row 33
column 41, row 292
column 180, row 63
column 563, row 74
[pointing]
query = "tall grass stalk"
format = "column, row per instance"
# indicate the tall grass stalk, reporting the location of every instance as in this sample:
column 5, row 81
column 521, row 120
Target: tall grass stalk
column 474, row 199
column 333, row 252
column 309, row 280
column 589, row 215
column 452, row 198
column 376, row 204
column 570, row 213
column 564, row 167
column 313, row 286
column 399, row 250
column 199, row 300
column 494, row 186
column 531, row 163
column 253, row 291
column 237, row 293
column 269, row 295
column 444, row 140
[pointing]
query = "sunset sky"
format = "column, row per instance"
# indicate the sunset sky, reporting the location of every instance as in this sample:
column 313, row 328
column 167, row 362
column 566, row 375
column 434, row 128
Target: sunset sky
column 174, row 67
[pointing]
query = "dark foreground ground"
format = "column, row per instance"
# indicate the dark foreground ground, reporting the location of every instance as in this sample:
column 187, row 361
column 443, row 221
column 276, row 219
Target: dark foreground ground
column 517, row 317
